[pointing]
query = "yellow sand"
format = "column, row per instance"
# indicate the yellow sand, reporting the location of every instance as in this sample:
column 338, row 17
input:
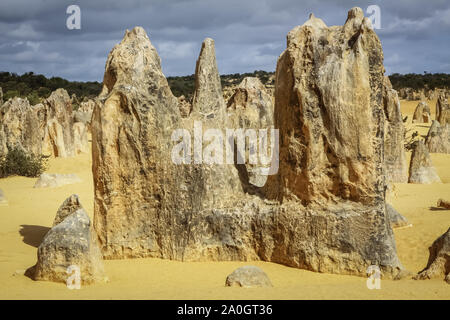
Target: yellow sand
column 31, row 211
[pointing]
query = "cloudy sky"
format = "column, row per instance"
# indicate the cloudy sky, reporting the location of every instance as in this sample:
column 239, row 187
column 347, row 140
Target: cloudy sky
column 249, row 34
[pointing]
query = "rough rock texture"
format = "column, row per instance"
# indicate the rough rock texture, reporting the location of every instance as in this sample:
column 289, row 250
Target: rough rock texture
column 443, row 110
column 439, row 261
column 394, row 132
column 19, row 127
column 71, row 242
column 397, row 220
column 251, row 107
column 326, row 216
column 438, row 138
column 443, row 204
column 208, row 97
column 80, row 138
column 422, row 113
column 421, row 168
column 52, row 180
column 56, row 117
column 184, row 106
column 69, row 206
column 248, row 277
column 84, row 113
column 3, row 201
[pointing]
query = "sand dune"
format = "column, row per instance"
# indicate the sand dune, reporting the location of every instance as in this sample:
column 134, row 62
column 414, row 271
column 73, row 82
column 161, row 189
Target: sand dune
column 30, row 213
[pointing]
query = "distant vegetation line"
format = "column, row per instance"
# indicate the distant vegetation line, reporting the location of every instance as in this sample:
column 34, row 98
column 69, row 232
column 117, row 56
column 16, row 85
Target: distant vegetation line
column 36, row 87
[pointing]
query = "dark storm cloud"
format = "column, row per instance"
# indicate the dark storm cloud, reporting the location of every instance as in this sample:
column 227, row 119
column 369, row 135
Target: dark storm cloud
column 249, row 34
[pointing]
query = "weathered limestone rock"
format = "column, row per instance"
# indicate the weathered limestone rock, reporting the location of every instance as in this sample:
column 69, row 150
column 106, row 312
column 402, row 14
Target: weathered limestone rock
column 396, row 219
column 208, row 98
column 80, row 138
column 70, row 243
column 3, row 201
column 56, row 116
column 19, row 127
column 394, row 151
column 421, row 168
column 184, row 106
column 53, row 180
column 84, row 113
column 69, row 206
column 438, row 138
column 251, row 107
column 422, row 113
column 443, row 204
column 324, row 210
column 439, row 261
column 248, row 277
column 442, row 110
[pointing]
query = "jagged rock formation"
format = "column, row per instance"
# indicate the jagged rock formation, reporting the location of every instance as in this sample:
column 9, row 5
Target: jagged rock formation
column 19, row 127
column 56, row 117
column 248, row 277
column 439, row 261
column 53, row 180
column 397, row 220
column 422, row 113
column 80, row 138
column 443, row 204
column 251, row 107
column 72, row 242
column 394, row 132
column 326, row 216
column 438, row 138
column 442, row 110
column 69, row 206
column 84, row 113
column 421, row 169
column 208, row 97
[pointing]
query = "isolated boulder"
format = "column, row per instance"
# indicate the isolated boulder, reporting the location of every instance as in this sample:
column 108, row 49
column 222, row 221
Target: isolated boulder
column 69, row 206
column 394, row 150
column 439, row 261
column 438, row 138
column 248, row 277
column 421, row 169
column 396, row 219
column 422, row 113
column 52, row 180
column 70, row 243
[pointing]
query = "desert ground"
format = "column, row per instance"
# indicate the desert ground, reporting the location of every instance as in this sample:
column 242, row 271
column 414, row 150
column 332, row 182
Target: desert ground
column 30, row 213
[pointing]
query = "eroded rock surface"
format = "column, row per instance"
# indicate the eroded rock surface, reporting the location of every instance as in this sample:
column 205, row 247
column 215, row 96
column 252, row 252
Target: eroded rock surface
column 438, row 138
column 70, row 243
column 439, row 261
column 421, row 169
column 394, row 150
column 69, row 206
column 422, row 113
column 397, row 220
column 443, row 110
column 248, row 277
column 324, row 210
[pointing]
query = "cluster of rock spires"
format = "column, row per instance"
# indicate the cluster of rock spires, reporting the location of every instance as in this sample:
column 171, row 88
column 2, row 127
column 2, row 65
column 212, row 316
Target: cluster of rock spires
column 48, row 128
column 324, row 209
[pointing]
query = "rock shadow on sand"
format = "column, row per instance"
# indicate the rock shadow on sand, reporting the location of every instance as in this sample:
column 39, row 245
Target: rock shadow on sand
column 32, row 234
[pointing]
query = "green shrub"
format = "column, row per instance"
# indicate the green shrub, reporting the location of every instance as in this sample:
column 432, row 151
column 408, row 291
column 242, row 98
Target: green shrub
column 18, row 162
